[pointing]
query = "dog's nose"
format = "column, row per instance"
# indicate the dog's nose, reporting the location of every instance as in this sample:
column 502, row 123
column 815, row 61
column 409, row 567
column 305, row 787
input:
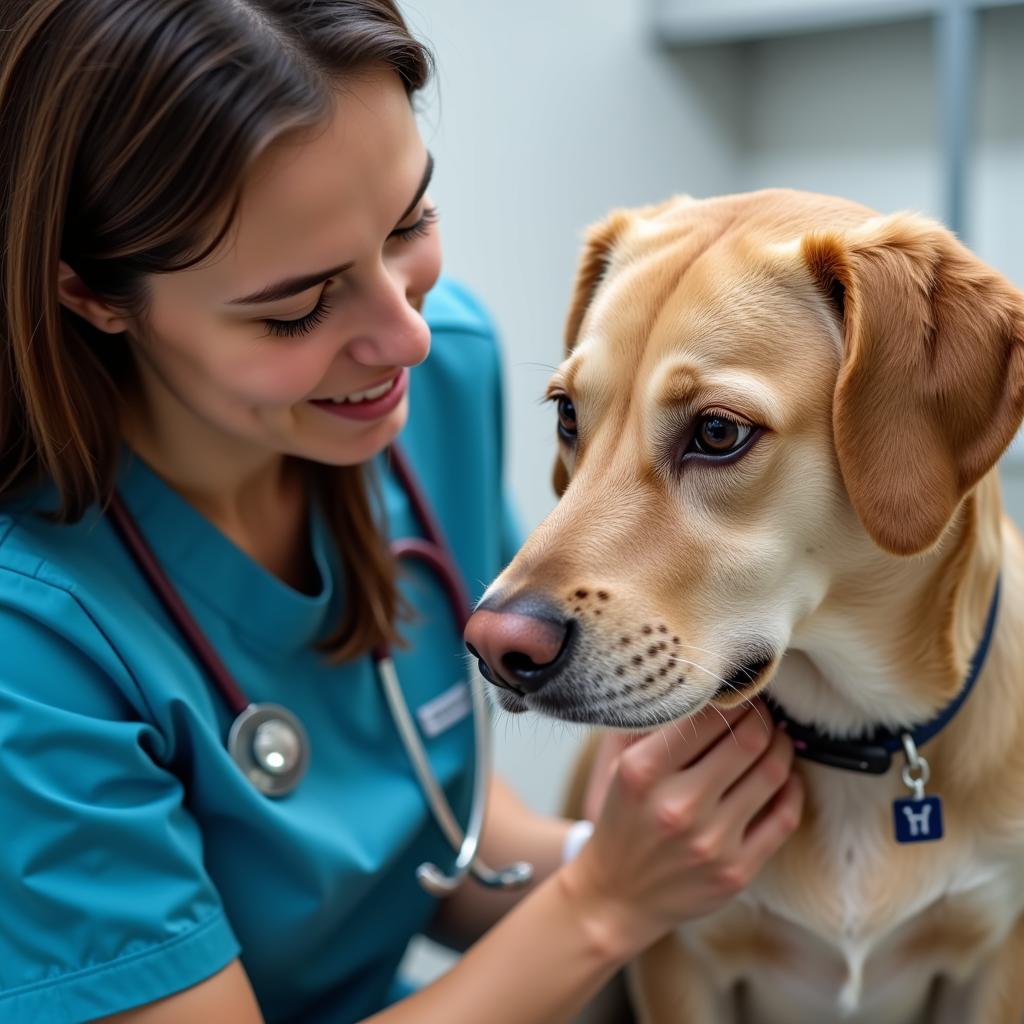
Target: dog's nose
column 519, row 645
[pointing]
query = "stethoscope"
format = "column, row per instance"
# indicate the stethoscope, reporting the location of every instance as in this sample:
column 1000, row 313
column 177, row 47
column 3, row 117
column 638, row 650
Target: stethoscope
column 269, row 743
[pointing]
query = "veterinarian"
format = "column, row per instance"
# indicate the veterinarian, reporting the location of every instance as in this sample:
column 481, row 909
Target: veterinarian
column 220, row 286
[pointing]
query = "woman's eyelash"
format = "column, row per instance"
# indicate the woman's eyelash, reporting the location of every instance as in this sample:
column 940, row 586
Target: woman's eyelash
column 420, row 228
column 315, row 317
column 304, row 324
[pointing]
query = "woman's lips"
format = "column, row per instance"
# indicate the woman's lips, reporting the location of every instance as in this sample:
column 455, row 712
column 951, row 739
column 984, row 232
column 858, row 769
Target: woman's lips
column 372, row 409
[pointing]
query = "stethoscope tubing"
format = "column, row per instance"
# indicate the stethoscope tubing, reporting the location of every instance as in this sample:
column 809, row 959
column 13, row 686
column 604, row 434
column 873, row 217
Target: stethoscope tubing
column 161, row 586
column 436, row 552
column 250, row 717
column 466, row 843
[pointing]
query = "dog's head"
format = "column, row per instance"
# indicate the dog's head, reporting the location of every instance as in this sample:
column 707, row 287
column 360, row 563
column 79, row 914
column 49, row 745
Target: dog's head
column 761, row 393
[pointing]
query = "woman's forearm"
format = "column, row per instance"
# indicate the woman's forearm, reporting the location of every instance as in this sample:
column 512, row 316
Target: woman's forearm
column 512, row 832
column 539, row 965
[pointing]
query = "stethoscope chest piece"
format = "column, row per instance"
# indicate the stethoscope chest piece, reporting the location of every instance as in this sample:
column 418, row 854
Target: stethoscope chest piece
column 271, row 747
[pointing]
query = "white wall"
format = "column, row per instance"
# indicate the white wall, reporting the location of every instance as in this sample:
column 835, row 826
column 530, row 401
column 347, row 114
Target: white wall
column 856, row 113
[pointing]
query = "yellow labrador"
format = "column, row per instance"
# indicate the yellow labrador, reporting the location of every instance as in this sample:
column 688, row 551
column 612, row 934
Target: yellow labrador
column 779, row 416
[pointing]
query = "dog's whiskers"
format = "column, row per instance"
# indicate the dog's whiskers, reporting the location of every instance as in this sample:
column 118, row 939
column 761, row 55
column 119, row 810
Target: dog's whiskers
column 678, row 659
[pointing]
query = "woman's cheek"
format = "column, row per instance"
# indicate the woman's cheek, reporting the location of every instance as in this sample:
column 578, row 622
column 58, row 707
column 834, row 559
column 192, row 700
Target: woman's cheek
column 294, row 373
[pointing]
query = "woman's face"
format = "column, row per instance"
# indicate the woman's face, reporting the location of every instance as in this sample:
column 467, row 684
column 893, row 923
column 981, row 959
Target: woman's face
column 337, row 234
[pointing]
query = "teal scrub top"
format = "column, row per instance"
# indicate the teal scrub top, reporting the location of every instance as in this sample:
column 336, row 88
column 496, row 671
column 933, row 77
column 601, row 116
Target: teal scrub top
column 136, row 859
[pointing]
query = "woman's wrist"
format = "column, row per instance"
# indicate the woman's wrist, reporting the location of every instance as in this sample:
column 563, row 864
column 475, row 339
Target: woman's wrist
column 613, row 929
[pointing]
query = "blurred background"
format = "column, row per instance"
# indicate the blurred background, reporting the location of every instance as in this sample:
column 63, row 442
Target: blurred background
column 548, row 113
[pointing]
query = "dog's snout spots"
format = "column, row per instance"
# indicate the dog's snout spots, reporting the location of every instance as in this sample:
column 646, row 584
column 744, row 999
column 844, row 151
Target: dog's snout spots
column 647, row 631
column 583, row 601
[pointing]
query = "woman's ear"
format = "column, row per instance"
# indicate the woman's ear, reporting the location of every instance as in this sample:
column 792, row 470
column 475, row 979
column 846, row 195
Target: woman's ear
column 931, row 387
column 79, row 299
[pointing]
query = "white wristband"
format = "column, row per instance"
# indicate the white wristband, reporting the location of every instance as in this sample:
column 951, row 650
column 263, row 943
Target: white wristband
column 579, row 832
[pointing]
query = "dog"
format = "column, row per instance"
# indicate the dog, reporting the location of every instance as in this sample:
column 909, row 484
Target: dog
column 779, row 416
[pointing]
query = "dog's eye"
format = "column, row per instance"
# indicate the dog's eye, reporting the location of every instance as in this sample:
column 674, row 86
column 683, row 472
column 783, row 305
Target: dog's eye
column 717, row 435
column 566, row 418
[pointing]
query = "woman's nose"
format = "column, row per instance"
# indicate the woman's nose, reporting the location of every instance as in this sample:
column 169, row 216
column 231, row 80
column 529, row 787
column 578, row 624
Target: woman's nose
column 393, row 332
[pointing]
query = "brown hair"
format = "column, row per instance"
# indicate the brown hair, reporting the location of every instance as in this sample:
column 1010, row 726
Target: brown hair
column 126, row 130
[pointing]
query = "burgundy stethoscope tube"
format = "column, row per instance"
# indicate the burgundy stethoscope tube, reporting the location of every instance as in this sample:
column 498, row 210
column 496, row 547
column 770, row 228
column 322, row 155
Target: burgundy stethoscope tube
column 129, row 533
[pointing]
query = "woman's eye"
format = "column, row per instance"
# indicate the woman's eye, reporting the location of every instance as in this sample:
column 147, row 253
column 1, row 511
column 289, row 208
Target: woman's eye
column 566, row 418
column 420, row 228
column 303, row 325
column 718, row 435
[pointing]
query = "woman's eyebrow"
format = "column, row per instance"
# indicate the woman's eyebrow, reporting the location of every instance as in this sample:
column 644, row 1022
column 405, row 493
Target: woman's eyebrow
column 297, row 285
column 286, row 289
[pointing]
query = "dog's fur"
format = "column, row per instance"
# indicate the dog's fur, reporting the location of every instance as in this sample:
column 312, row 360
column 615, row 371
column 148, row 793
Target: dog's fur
column 852, row 552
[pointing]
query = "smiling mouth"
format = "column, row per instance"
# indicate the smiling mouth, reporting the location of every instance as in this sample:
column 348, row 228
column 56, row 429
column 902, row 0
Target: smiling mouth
column 370, row 403
column 366, row 395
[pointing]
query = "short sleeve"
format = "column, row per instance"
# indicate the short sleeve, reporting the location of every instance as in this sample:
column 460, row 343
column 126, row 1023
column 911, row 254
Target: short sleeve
column 106, row 903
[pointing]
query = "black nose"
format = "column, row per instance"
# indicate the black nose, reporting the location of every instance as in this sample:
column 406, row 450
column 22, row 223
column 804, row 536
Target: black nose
column 520, row 644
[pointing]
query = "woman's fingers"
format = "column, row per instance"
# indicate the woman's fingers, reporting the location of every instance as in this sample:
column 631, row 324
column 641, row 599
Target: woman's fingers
column 764, row 779
column 678, row 745
column 733, row 754
column 775, row 824
column 610, row 746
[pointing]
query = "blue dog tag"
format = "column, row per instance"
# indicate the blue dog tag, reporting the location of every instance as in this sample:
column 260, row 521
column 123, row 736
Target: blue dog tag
column 917, row 820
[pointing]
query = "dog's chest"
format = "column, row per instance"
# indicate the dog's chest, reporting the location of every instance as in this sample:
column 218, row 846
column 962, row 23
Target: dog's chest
column 847, row 925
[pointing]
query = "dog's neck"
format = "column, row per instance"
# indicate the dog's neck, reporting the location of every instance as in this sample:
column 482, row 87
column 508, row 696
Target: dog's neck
column 891, row 643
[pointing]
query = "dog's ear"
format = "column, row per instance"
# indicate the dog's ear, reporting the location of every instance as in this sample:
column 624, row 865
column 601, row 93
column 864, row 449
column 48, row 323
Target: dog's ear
column 931, row 386
column 597, row 249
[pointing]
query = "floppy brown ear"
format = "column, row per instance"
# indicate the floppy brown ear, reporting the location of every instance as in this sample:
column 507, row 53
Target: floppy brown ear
column 931, row 387
column 593, row 265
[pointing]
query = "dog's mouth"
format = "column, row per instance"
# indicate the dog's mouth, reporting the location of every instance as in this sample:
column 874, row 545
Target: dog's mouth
column 746, row 678
column 651, row 709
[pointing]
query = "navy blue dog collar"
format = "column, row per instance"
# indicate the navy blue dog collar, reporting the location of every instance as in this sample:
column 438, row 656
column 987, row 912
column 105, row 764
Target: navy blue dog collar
column 873, row 753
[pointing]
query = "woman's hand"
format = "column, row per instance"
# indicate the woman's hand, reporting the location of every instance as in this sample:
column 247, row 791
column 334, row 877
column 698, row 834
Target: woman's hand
column 691, row 813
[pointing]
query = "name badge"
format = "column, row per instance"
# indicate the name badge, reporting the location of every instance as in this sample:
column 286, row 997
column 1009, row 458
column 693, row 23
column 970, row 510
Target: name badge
column 445, row 710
